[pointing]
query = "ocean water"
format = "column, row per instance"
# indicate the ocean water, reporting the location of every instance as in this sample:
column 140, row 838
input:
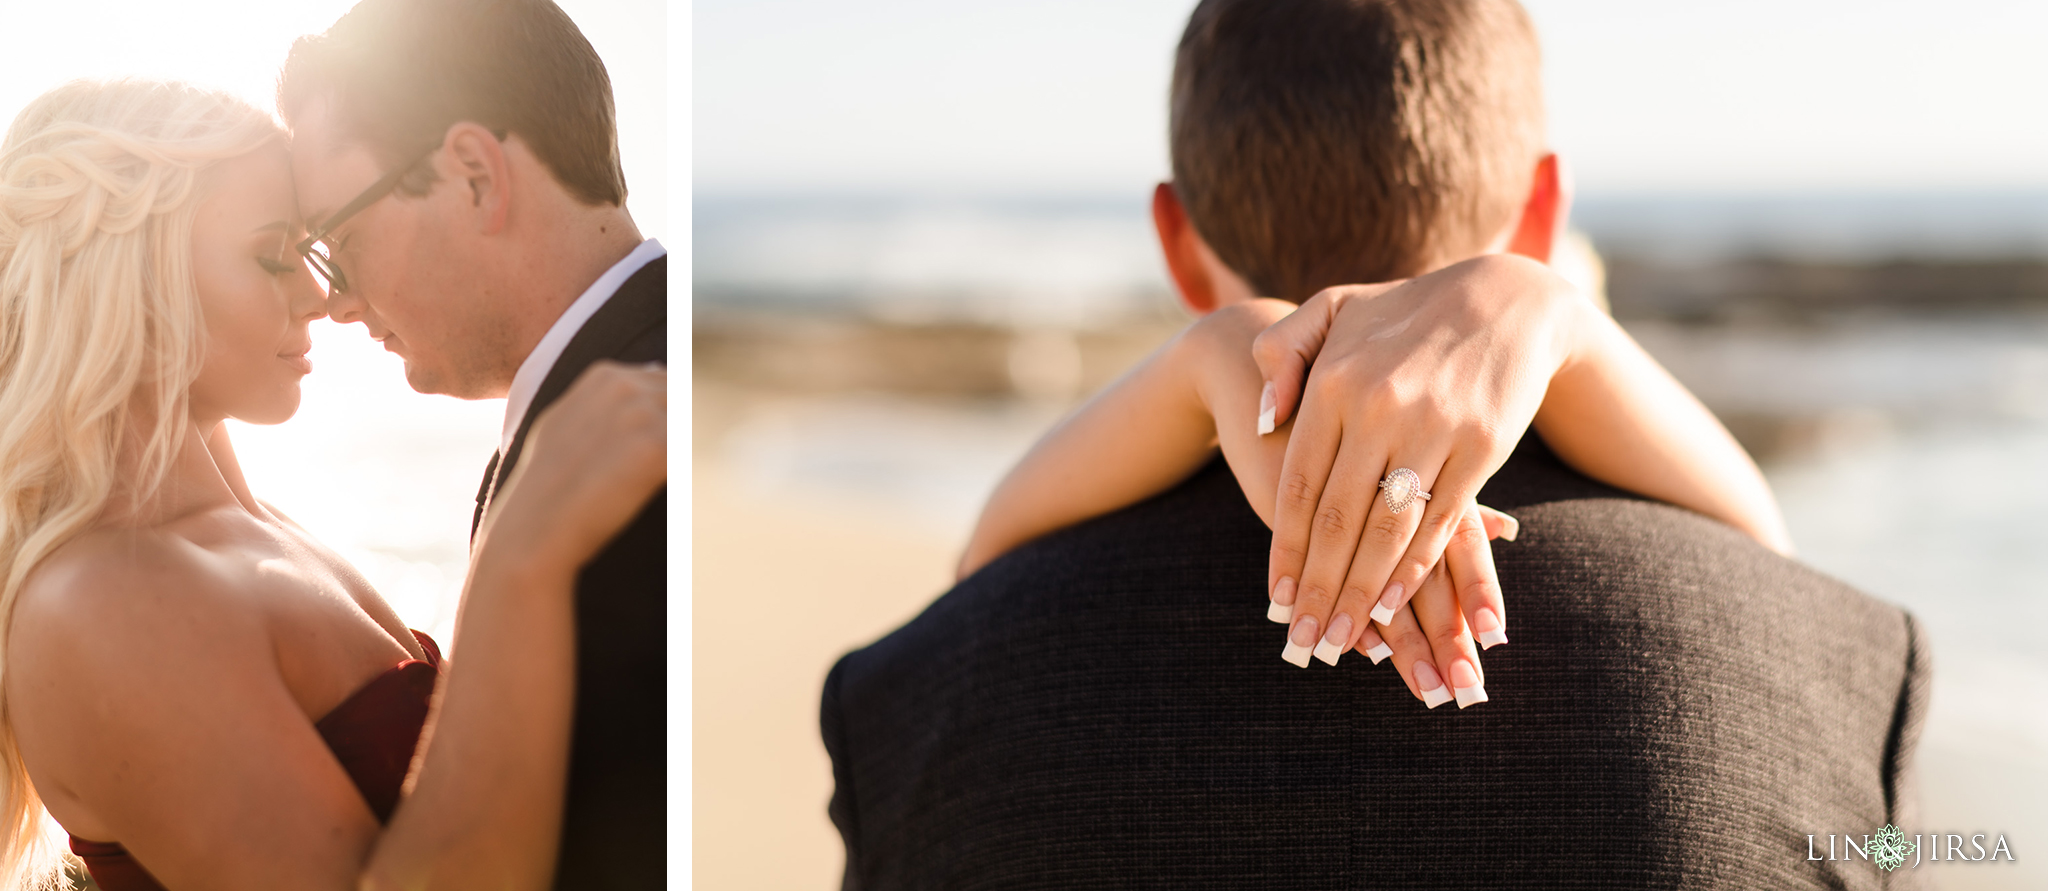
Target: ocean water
column 1852, row 226
column 1092, row 260
column 1029, row 262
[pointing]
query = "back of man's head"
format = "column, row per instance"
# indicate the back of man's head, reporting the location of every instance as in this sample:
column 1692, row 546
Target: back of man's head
column 1324, row 142
column 400, row 72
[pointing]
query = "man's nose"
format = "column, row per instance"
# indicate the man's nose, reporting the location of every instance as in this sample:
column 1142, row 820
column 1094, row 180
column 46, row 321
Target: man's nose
column 344, row 306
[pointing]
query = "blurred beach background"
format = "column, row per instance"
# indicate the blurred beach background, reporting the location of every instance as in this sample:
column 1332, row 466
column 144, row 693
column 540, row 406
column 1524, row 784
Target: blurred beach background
column 921, row 233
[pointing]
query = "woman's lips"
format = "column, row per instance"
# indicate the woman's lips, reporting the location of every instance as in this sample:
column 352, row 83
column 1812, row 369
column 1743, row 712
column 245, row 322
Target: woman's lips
column 299, row 362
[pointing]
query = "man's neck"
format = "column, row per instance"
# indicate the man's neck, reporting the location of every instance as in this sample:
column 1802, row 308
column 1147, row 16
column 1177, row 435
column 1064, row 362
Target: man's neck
column 567, row 259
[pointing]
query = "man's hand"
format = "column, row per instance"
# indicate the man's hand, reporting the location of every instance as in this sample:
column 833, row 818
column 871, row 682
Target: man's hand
column 1441, row 375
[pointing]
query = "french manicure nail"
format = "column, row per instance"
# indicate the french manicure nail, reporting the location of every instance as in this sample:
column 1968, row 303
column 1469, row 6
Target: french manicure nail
column 1267, row 408
column 1379, row 651
column 1487, row 624
column 1299, row 642
column 1433, row 691
column 1282, row 609
column 1334, row 642
column 1509, row 527
column 1383, row 612
column 1283, row 590
column 1466, row 682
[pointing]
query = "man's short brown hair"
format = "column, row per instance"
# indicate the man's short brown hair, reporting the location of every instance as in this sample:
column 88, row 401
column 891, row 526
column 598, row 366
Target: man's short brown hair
column 401, row 72
column 1325, row 142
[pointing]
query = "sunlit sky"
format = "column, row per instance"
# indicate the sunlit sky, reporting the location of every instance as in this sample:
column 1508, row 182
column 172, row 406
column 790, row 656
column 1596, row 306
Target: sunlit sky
column 382, row 474
column 1069, row 95
column 238, row 45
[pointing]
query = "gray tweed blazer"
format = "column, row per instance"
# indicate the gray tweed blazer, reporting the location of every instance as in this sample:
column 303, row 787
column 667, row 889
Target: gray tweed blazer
column 1106, row 708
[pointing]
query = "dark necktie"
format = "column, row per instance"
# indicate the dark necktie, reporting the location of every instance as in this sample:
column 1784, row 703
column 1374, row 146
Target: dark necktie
column 483, row 495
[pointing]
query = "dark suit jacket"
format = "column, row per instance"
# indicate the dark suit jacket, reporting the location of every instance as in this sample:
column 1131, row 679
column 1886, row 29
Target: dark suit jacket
column 613, row 829
column 1107, row 708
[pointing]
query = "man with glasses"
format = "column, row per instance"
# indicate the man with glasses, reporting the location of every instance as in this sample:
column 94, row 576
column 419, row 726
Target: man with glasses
column 457, row 164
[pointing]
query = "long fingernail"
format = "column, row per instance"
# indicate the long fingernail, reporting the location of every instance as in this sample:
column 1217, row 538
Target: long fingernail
column 1282, row 608
column 1383, row 612
column 1379, row 651
column 1267, row 408
column 1336, row 641
column 1509, row 527
column 1433, row 691
column 1466, row 682
column 1299, row 641
column 1487, row 624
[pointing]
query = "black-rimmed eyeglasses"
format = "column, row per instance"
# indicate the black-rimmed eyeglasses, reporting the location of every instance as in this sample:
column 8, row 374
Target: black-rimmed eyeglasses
column 315, row 249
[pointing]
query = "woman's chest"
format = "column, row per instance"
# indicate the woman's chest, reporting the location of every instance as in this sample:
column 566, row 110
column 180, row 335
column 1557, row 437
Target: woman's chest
column 329, row 630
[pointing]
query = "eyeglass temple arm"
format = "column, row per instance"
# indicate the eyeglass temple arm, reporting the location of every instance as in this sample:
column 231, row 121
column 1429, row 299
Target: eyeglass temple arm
column 370, row 195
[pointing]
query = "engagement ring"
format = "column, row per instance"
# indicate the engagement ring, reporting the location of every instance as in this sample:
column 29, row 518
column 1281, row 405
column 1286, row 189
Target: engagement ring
column 1402, row 488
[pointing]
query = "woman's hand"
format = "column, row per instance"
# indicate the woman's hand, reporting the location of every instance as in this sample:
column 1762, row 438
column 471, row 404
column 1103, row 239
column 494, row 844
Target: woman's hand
column 484, row 806
column 591, row 461
column 1441, row 375
column 1429, row 639
column 1216, row 353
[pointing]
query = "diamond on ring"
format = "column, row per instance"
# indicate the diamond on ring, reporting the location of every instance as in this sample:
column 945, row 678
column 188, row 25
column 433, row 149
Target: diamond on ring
column 1402, row 487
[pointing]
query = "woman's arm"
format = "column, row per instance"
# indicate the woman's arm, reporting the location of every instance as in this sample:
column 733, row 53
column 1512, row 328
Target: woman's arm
column 149, row 697
column 1137, row 438
column 1617, row 416
column 484, row 804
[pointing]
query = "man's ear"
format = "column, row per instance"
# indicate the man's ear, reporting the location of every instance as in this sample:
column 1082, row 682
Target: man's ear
column 481, row 171
column 1183, row 250
column 1545, row 213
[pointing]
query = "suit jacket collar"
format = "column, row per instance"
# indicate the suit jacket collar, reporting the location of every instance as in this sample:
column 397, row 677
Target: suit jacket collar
column 639, row 305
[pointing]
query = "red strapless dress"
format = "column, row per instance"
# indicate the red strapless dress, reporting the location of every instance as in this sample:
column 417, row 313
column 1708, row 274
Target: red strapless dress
column 372, row 734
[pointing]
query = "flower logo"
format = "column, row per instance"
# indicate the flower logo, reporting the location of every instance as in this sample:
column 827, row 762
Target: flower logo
column 1889, row 848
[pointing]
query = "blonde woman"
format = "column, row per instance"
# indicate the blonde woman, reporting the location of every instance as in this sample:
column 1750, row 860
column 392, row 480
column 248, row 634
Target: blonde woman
column 200, row 693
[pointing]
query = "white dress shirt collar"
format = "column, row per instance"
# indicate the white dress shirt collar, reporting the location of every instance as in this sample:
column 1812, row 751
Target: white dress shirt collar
column 542, row 360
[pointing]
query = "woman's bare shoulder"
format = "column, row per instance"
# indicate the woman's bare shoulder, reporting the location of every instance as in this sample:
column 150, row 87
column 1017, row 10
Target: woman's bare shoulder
column 144, row 687
column 101, row 594
column 113, row 572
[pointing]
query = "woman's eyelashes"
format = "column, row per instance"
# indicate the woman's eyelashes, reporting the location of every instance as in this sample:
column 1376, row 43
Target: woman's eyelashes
column 277, row 268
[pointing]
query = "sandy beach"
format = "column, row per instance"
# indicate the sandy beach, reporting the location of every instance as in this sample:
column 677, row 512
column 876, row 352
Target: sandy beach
column 782, row 587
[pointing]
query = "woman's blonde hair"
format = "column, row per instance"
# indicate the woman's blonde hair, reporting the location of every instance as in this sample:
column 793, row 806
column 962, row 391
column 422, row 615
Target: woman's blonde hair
column 100, row 335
